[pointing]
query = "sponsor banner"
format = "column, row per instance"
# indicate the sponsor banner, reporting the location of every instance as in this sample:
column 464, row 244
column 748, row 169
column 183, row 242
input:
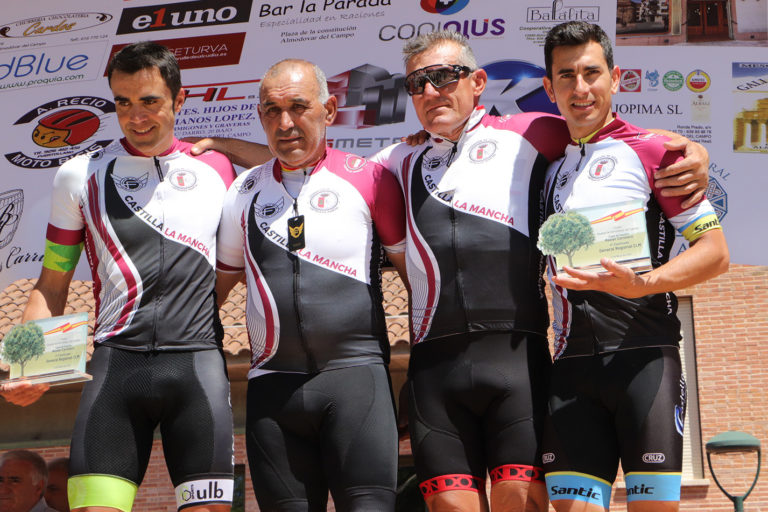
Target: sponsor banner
column 200, row 13
column 201, row 52
column 224, row 48
column 61, row 129
column 750, row 106
column 51, row 24
column 50, row 65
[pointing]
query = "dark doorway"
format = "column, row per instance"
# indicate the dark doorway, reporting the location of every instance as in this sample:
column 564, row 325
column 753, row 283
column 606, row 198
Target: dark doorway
column 707, row 20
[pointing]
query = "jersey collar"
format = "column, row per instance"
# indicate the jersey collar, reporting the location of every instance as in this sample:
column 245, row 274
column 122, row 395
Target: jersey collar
column 278, row 167
column 473, row 121
column 175, row 143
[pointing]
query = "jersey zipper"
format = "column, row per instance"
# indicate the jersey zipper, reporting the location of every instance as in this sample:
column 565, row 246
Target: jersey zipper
column 161, row 263
column 454, row 242
column 311, row 360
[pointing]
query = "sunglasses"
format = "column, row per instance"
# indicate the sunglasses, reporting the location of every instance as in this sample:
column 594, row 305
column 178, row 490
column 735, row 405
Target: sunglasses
column 439, row 75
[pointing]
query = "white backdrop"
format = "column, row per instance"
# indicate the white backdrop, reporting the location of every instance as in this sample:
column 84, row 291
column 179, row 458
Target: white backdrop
column 56, row 103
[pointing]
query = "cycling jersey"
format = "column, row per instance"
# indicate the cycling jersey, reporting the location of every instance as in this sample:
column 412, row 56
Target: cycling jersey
column 616, row 165
column 318, row 307
column 472, row 221
column 148, row 225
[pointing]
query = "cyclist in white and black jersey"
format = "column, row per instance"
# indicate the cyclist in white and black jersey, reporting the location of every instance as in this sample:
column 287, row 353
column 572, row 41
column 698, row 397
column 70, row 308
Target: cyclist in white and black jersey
column 617, row 389
column 308, row 228
column 146, row 212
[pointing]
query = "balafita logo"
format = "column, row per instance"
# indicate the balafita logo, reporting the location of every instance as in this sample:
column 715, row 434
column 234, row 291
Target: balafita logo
column 204, row 491
column 183, row 15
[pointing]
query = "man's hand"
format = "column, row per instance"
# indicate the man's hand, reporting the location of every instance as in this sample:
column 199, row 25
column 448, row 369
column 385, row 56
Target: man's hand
column 240, row 152
column 22, row 393
column 689, row 176
column 202, row 144
column 417, row 138
column 617, row 279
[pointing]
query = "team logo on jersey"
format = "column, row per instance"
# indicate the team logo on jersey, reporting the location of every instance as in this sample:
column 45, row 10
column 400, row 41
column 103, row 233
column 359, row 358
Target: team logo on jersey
column 131, row 183
column 431, row 163
column 354, row 163
column 324, row 201
column 654, row 458
column 182, row 179
column 561, row 179
column 247, row 184
column 482, row 150
column 11, row 206
column 602, row 168
column 268, row 210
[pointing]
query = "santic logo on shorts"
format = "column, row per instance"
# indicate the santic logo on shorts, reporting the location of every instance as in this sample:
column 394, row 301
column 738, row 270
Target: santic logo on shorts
column 204, row 491
column 548, row 458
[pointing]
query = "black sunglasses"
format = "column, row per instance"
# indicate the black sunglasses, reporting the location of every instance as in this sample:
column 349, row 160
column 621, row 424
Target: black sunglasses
column 439, row 75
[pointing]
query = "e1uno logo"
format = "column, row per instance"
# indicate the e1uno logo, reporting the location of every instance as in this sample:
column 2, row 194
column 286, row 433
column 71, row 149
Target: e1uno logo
column 444, row 7
column 183, row 15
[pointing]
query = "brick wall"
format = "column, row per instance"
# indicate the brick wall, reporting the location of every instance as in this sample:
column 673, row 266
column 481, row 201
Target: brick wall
column 731, row 328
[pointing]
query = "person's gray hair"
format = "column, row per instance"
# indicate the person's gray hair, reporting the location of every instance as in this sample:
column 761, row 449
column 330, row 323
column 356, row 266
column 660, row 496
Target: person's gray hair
column 429, row 40
column 322, row 82
column 40, row 470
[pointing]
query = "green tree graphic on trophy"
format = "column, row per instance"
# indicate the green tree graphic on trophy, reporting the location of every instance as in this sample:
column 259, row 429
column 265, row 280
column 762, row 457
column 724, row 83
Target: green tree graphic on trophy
column 22, row 344
column 565, row 233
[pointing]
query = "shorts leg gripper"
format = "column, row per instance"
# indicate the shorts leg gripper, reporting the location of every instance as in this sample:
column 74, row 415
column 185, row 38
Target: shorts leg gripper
column 452, row 483
column 518, row 472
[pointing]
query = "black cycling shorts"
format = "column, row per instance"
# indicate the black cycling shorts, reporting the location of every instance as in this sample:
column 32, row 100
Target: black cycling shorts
column 477, row 403
column 627, row 405
column 334, row 430
column 186, row 393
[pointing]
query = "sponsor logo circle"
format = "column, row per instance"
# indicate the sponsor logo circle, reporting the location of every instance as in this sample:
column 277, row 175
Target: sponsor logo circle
column 631, row 80
column 61, row 129
column 698, row 81
column 602, row 168
column 181, row 179
column 482, row 150
column 673, row 80
column 324, row 201
column 444, row 7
